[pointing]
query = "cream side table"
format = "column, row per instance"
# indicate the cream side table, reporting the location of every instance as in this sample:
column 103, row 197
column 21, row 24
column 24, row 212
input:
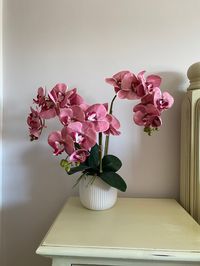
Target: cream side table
column 135, row 232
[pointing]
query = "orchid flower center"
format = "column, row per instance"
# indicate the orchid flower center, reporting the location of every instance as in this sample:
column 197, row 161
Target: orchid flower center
column 61, row 96
column 59, row 145
column 162, row 103
column 78, row 138
column 92, row 117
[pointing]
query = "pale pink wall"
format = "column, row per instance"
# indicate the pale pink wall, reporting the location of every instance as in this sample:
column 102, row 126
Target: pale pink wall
column 81, row 42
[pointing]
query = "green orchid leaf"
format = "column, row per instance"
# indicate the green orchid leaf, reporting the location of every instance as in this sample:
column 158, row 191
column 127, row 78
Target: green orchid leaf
column 114, row 180
column 111, row 163
column 79, row 168
column 93, row 159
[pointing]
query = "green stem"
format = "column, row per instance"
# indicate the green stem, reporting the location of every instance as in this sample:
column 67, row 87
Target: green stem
column 100, row 151
column 111, row 105
column 108, row 137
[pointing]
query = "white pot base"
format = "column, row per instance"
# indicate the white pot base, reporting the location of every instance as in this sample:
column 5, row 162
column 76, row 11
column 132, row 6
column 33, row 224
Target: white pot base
column 96, row 195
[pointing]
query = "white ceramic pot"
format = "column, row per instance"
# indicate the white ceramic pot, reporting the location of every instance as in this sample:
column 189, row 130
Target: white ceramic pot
column 95, row 194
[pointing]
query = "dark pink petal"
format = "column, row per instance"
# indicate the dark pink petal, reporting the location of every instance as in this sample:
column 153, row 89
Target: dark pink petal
column 127, row 82
column 140, row 90
column 71, row 93
column 65, row 116
column 69, row 144
column 122, row 94
column 169, row 99
column 106, row 106
column 34, row 133
column 130, row 95
column 74, row 127
column 138, row 118
column 40, row 97
column 156, row 121
column 120, row 75
column 88, row 143
column 88, row 130
column 89, row 135
column 163, row 101
column 56, row 142
column 74, row 98
column 71, row 114
column 84, row 106
column 79, row 156
column 114, row 125
column 111, row 81
column 61, row 87
column 155, row 80
column 78, row 113
column 53, row 96
column 116, row 80
column 151, row 109
column 113, row 121
column 101, row 126
column 96, row 112
column 48, row 114
column 81, row 133
column 58, row 94
column 148, row 98
column 139, row 107
column 150, row 82
column 141, row 77
column 35, row 124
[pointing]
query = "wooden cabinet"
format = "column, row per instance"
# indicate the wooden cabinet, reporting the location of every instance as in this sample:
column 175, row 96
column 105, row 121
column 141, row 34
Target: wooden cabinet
column 135, row 232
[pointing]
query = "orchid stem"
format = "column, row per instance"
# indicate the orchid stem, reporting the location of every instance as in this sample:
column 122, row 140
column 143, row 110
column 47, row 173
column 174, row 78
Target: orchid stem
column 108, row 137
column 111, row 105
column 100, row 151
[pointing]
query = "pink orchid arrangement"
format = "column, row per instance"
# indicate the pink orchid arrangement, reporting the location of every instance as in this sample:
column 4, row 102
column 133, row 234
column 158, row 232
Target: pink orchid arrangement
column 83, row 123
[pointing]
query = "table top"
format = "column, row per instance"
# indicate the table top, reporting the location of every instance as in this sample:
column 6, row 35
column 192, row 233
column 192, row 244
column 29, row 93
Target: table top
column 135, row 227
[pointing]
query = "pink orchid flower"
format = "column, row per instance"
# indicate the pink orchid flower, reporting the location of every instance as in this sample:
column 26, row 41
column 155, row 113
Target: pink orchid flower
column 48, row 109
column 148, row 84
column 83, row 134
column 96, row 114
column 125, row 84
column 60, row 141
column 58, row 94
column 35, row 124
column 79, row 156
column 116, row 80
column 163, row 100
column 147, row 115
column 40, row 97
column 71, row 114
column 73, row 98
column 114, row 125
column 129, row 87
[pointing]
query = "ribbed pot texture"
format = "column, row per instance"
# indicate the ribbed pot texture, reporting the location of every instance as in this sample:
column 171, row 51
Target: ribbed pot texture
column 96, row 195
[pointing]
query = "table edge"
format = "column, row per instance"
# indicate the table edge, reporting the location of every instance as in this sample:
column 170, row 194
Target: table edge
column 110, row 253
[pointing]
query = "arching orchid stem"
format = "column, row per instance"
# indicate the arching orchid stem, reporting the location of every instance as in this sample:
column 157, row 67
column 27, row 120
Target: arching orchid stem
column 111, row 105
column 107, row 137
column 100, row 151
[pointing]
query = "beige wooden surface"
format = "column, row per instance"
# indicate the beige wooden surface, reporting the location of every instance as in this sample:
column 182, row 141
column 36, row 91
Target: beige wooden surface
column 190, row 145
column 136, row 228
